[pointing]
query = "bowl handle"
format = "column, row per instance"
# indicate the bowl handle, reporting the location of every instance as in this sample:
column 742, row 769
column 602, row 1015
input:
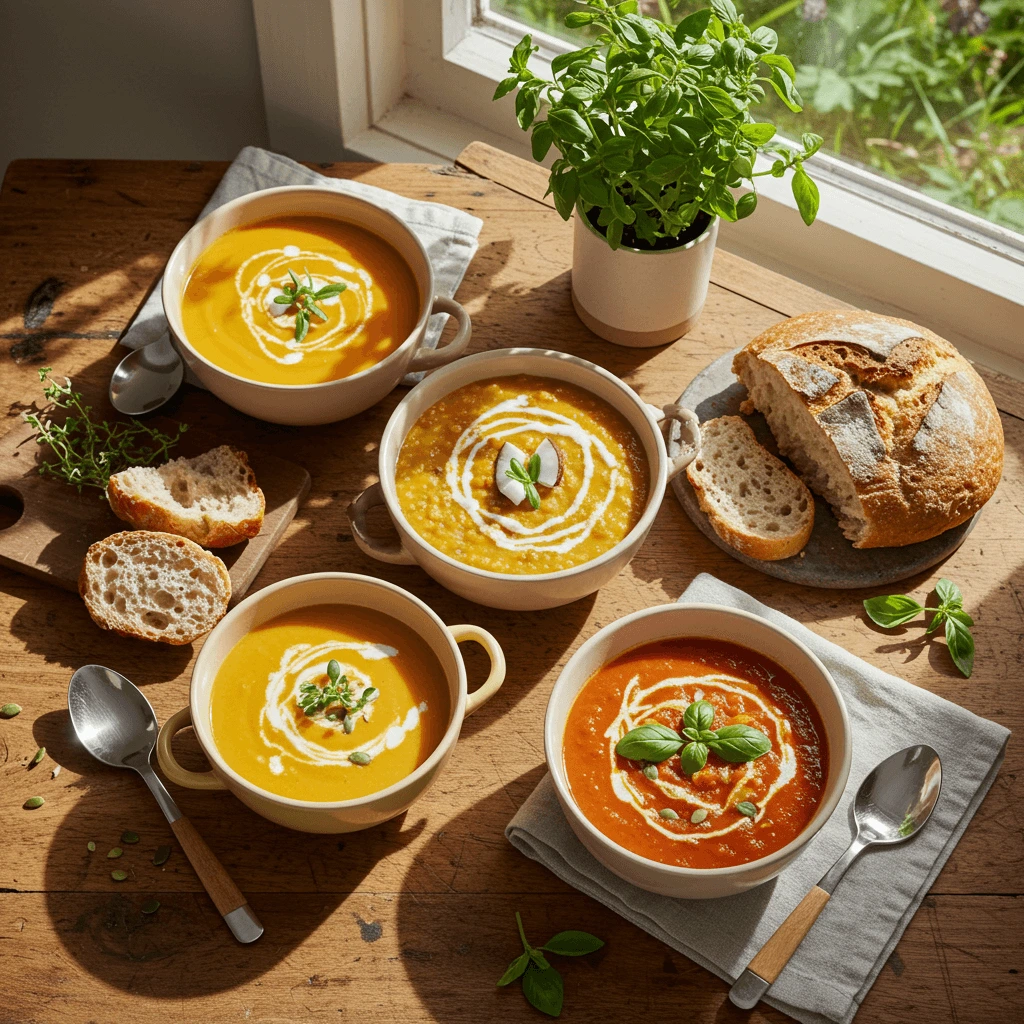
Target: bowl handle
column 394, row 552
column 431, row 358
column 690, row 439
column 169, row 765
column 480, row 696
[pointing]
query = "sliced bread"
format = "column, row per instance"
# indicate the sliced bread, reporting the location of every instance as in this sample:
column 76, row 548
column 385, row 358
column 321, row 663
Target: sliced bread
column 154, row 586
column 755, row 503
column 211, row 499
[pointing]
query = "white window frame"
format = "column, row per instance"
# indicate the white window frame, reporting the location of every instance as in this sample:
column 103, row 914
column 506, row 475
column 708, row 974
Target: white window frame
column 412, row 80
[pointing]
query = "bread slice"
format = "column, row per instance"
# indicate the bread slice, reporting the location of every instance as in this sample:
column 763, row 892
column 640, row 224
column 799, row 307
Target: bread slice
column 154, row 586
column 755, row 503
column 211, row 499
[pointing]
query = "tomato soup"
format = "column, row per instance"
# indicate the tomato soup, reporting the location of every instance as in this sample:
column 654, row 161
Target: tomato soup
column 263, row 732
column 696, row 820
column 450, row 479
column 231, row 317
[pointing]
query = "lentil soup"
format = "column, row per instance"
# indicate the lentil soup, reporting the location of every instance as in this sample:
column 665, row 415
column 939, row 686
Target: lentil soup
column 456, row 493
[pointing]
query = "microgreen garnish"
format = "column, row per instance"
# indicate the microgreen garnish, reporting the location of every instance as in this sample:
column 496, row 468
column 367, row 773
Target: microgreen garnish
column 897, row 609
column 527, row 475
column 335, row 699
column 305, row 298
column 88, row 453
column 746, row 808
column 542, row 984
column 654, row 742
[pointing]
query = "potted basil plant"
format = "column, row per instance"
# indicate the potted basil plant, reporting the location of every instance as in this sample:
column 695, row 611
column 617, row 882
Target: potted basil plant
column 654, row 130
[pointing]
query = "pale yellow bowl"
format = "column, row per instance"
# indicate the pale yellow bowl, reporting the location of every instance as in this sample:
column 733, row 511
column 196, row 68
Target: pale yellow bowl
column 304, row 592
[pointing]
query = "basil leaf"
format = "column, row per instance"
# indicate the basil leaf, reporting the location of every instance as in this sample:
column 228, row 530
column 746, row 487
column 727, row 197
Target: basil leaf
column 806, row 194
column 572, row 943
column 691, row 734
column 960, row 615
column 693, row 757
column 538, row 958
column 693, row 26
column 651, row 741
column 739, row 743
column 784, row 87
column 505, row 86
column 949, row 593
column 568, row 126
column 960, row 644
column 759, row 132
column 540, row 141
column 937, row 620
column 893, row 610
column 515, row 969
column 543, row 989
column 699, row 715
column 745, row 205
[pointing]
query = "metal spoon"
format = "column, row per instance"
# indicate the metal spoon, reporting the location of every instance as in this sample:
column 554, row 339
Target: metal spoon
column 117, row 725
column 892, row 804
column 146, row 378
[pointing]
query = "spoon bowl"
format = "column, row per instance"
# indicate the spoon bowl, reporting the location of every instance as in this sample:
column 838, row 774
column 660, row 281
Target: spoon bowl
column 146, row 378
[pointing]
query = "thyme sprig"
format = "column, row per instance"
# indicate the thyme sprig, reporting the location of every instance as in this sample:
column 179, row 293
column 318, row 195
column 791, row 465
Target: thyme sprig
column 305, row 298
column 335, row 699
column 88, row 452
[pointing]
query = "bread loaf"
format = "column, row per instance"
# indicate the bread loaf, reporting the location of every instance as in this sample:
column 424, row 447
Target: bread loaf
column 884, row 419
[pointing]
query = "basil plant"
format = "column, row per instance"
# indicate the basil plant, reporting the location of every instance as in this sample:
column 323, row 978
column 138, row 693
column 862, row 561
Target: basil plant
column 654, row 126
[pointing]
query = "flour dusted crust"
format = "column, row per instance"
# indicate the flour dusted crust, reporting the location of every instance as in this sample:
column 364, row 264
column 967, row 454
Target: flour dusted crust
column 885, row 419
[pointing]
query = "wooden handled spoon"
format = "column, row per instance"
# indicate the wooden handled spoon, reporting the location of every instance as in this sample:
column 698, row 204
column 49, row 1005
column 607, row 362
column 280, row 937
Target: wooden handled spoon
column 893, row 803
column 117, row 725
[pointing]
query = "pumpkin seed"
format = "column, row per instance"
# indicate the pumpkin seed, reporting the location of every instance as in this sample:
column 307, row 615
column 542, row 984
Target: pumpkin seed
column 348, row 723
column 651, row 771
column 129, row 837
column 33, row 802
column 40, row 754
column 150, row 906
column 359, row 757
column 118, row 875
column 115, row 852
column 161, row 855
column 698, row 816
column 90, row 846
column 668, row 814
column 747, row 808
column 10, row 710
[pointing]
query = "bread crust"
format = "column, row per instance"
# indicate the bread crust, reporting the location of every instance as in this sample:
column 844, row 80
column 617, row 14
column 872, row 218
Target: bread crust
column 911, row 419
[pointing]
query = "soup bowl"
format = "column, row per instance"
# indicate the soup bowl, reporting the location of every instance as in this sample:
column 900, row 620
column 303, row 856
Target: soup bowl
column 304, row 592
column 306, row 404
column 699, row 621
column 521, row 592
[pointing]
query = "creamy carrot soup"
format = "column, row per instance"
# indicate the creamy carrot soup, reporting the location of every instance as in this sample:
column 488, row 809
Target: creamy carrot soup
column 522, row 475
column 329, row 703
column 724, row 812
column 231, row 317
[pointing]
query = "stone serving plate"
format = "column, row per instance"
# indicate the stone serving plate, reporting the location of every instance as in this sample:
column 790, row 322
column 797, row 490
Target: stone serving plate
column 829, row 560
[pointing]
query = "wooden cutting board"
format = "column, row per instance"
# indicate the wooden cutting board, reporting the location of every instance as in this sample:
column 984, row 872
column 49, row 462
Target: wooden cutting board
column 56, row 524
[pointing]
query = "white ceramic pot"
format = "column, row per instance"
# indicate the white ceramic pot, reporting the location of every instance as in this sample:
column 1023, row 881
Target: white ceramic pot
column 302, row 592
column 505, row 590
column 306, row 404
column 718, row 623
column 638, row 297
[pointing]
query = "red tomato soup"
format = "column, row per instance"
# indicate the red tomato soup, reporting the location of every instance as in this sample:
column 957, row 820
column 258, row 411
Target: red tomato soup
column 655, row 683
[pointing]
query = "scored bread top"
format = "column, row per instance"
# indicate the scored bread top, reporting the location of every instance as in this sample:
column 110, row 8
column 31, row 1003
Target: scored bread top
column 909, row 417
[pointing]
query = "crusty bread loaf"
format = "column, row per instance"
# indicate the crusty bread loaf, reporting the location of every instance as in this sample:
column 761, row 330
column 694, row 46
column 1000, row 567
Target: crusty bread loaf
column 211, row 499
column 154, row 586
column 755, row 503
column 881, row 417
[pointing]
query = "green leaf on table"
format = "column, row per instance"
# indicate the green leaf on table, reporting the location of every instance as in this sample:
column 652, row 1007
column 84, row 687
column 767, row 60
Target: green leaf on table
column 515, row 969
column 544, row 990
column 573, row 943
column 949, row 593
column 892, row 610
column 960, row 644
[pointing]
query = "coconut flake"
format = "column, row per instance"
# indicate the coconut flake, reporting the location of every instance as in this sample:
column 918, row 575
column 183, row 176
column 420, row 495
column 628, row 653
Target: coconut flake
column 550, row 464
column 511, row 489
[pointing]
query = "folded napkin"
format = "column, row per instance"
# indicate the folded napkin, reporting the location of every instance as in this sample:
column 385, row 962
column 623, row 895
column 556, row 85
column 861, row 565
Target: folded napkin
column 830, row 974
column 449, row 236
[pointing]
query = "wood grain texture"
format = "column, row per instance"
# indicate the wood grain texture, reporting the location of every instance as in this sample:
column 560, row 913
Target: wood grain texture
column 776, row 952
column 216, row 881
column 413, row 921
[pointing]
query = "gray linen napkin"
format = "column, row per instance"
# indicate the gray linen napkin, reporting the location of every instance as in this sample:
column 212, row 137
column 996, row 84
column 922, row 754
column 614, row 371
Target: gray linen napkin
column 448, row 235
column 830, row 974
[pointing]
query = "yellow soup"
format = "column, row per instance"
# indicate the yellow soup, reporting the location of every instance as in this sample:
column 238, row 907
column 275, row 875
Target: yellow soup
column 450, row 468
column 230, row 316
column 263, row 732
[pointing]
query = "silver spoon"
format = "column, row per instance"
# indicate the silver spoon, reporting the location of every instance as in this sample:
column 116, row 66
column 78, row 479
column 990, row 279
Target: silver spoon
column 146, row 378
column 893, row 803
column 117, row 725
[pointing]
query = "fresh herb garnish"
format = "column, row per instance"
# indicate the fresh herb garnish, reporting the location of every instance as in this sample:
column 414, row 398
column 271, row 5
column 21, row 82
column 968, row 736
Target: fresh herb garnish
column 89, row 453
column 305, row 298
column 336, row 699
column 653, row 742
column 527, row 475
column 542, row 984
column 897, row 609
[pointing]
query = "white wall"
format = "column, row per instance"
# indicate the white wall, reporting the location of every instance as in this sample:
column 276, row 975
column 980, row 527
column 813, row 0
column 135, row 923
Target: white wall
column 142, row 79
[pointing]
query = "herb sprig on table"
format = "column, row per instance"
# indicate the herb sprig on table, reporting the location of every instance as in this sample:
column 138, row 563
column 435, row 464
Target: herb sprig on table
column 335, row 698
column 897, row 609
column 305, row 298
column 653, row 742
column 87, row 452
column 542, row 984
column 527, row 475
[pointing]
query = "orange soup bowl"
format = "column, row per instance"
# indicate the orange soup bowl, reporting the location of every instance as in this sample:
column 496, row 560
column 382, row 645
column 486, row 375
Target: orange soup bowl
column 258, row 621
column 529, row 375
column 303, row 404
column 621, row 647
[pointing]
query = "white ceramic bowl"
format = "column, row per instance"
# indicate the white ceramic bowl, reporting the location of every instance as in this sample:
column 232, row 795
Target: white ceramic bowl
column 302, row 592
column 305, row 404
column 506, row 590
column 719, row 623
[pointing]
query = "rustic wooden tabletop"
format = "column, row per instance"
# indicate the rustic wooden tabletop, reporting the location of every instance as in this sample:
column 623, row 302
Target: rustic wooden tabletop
column 413, row 921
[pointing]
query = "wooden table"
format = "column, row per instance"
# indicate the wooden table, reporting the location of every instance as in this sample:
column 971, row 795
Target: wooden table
column 413, row 921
